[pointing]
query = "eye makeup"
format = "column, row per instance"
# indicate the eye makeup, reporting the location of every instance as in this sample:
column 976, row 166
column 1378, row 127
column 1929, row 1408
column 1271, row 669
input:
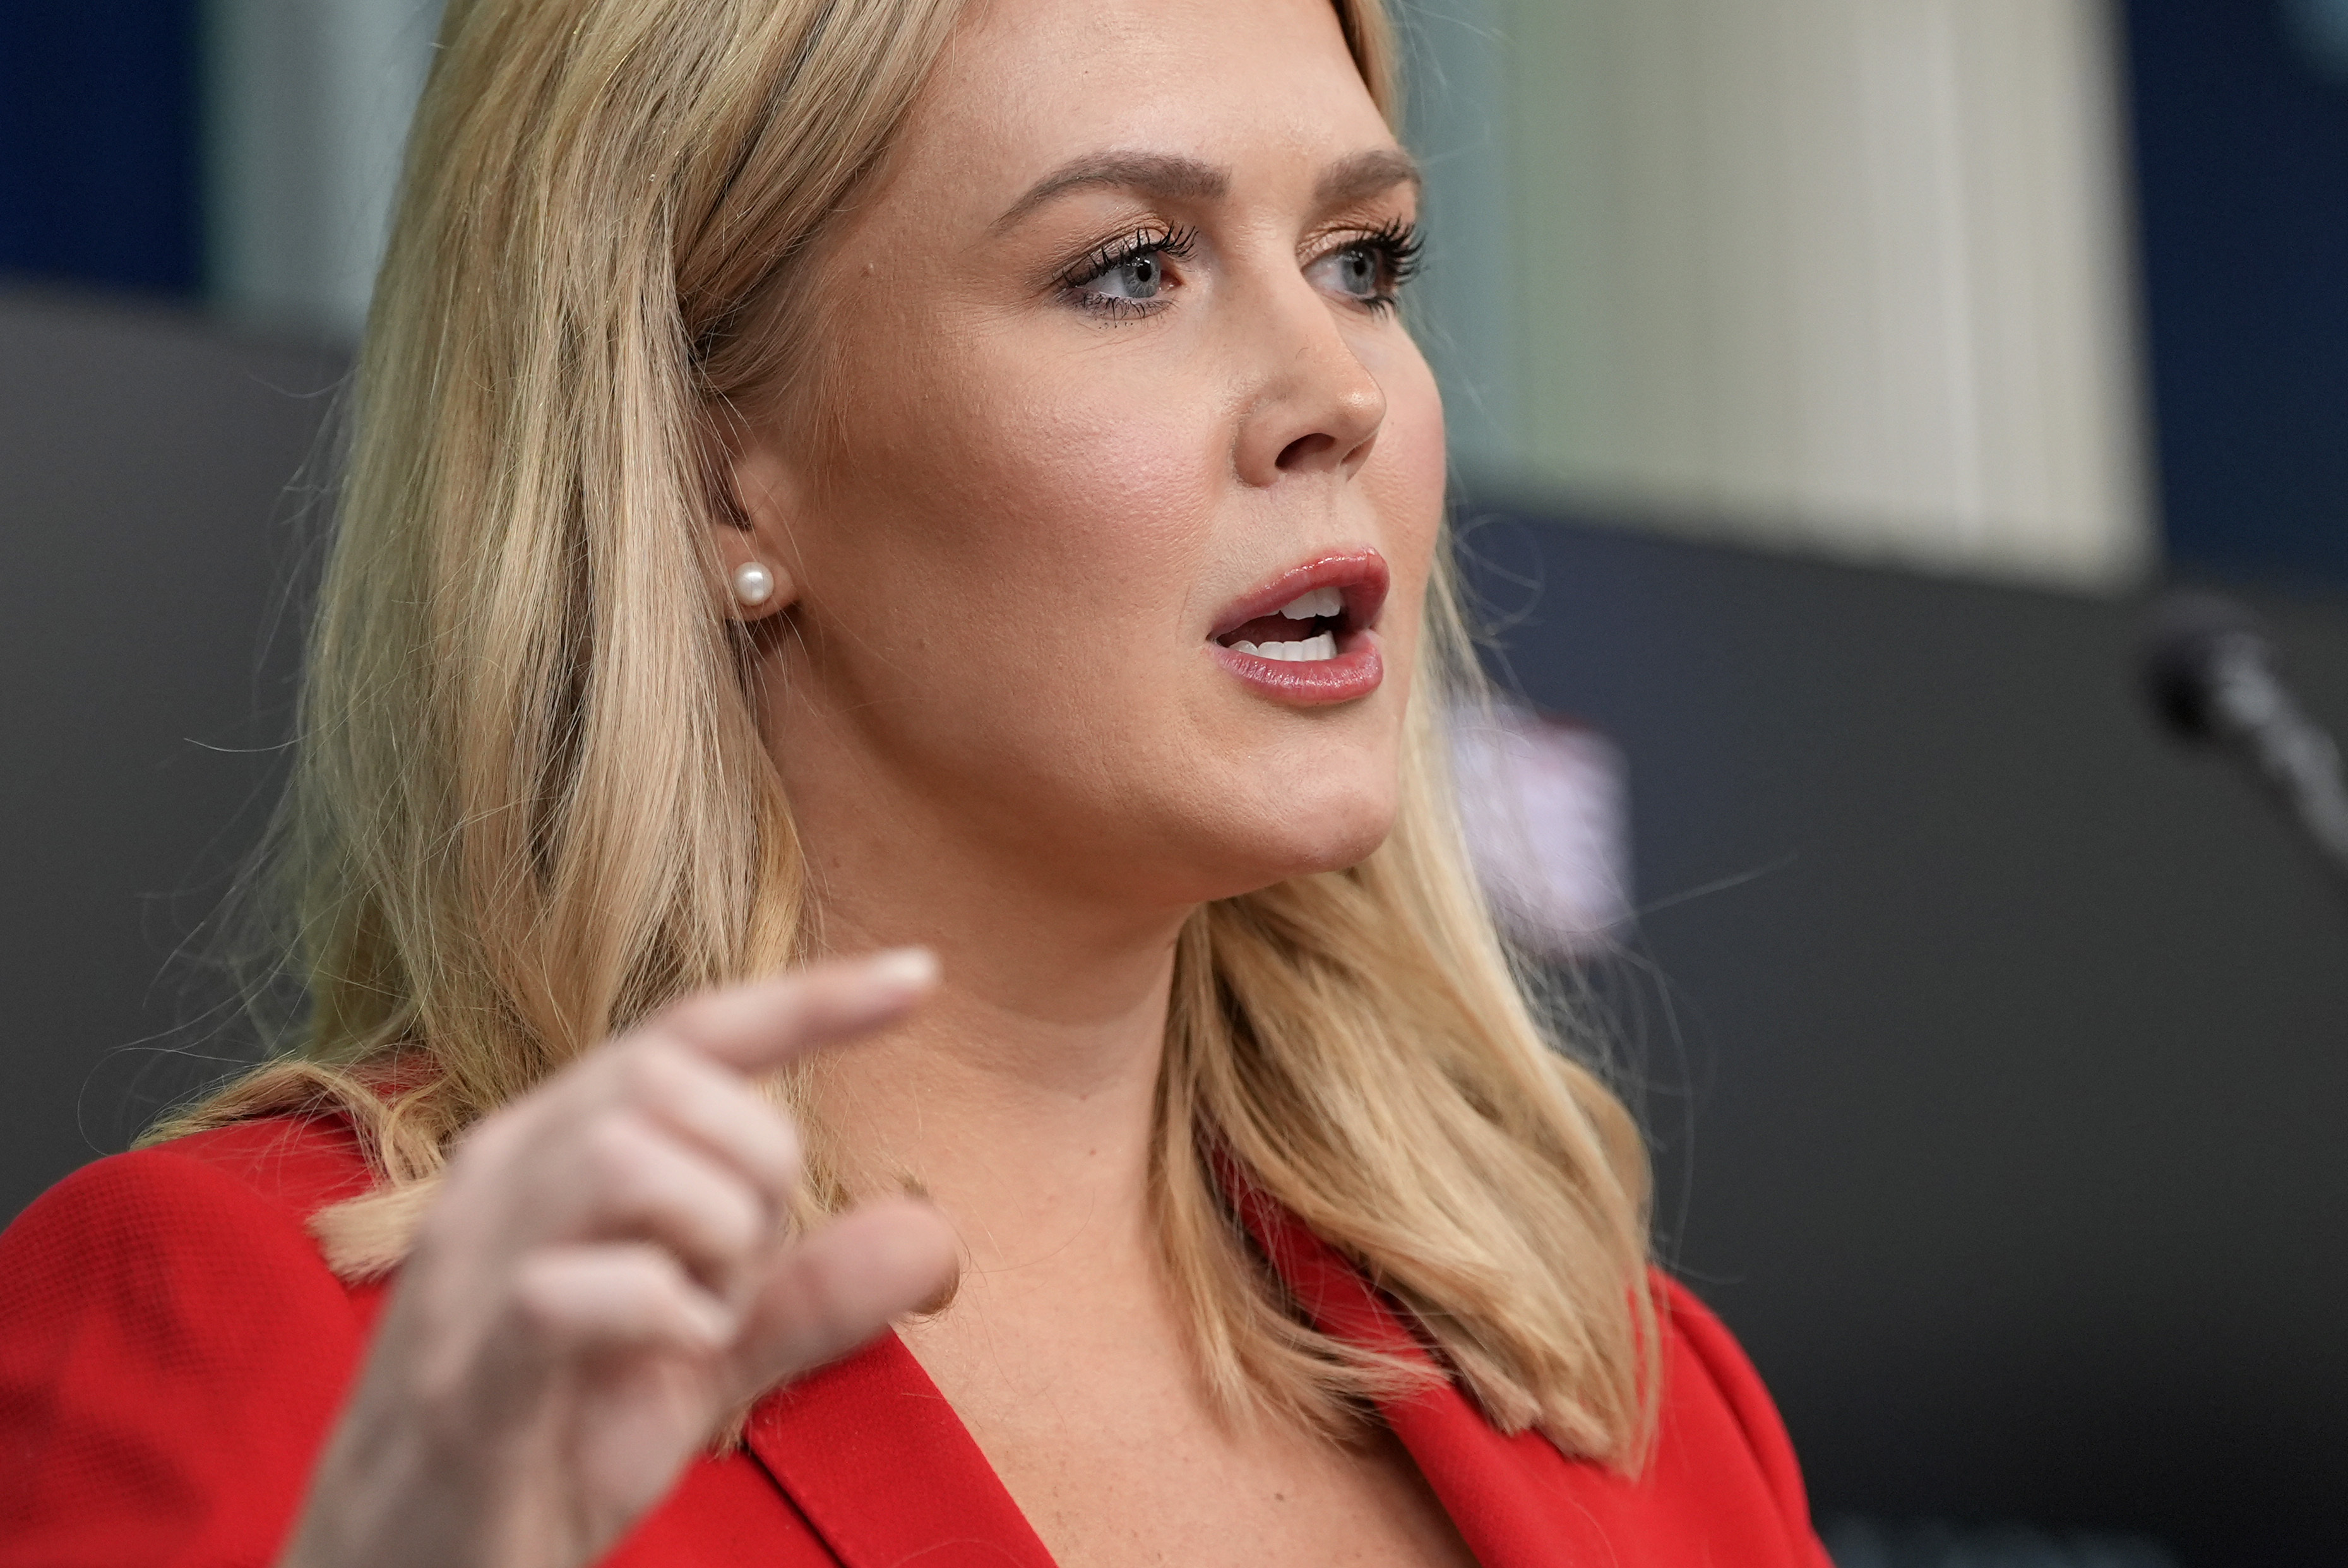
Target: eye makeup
column 1133, row 268
column 1379, row 262
column 1130, row 276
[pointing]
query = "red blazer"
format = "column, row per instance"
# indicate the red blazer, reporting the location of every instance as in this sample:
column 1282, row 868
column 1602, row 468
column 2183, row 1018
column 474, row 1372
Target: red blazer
column 173, row 1349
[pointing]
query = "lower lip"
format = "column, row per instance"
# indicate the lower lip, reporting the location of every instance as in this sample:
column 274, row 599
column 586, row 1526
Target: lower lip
column 1355, row 673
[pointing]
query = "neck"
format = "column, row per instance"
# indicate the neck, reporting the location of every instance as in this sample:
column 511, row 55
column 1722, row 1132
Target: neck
column 1022, row 1097
column 1023, row 1112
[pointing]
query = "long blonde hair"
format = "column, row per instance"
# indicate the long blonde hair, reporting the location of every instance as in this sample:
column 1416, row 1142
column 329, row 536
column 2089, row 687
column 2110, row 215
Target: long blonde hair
column 531, row 804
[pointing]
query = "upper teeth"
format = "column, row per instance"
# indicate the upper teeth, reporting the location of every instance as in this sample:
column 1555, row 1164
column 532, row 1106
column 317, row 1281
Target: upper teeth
column 1321, row 601
column 1324, row 646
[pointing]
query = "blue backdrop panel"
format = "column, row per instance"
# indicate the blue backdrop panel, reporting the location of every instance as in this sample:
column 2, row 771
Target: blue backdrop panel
column 100, row 164
column 2242, row 132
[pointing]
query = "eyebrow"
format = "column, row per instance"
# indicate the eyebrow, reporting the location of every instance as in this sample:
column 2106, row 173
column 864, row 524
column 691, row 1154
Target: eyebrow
column 1152, row 173
column 1354, row 179
column 1364, row 175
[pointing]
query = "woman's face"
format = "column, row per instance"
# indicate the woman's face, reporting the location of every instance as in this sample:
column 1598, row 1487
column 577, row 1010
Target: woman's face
column 1110, row 381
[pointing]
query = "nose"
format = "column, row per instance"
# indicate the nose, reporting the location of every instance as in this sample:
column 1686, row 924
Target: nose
column 1314, row 406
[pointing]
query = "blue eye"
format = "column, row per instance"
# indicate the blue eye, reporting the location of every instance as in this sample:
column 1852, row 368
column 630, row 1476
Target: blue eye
column 1137, row 277
column 1372, row 268
column 1130, row 276
column 1355, row 272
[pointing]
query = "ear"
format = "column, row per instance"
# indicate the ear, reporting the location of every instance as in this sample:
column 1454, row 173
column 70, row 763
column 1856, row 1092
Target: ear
column 764, row 492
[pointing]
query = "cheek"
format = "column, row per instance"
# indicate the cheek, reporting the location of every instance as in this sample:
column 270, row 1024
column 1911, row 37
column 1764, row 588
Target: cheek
column 1072, row 514
column 1409, row 469
column 1403, row 487
column 1013, row 543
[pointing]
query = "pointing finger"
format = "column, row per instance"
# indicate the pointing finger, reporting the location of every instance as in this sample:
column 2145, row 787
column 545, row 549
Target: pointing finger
column 765, row 1025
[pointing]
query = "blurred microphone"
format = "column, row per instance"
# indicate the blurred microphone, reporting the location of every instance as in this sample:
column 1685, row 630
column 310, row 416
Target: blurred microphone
column 2215, row 678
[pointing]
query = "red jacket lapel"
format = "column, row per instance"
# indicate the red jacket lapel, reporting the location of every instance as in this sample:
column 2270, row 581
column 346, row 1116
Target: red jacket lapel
column 882, row 1468
column 1490, row 1483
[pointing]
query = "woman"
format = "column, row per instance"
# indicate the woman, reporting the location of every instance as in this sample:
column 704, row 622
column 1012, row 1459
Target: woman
column 912, row 476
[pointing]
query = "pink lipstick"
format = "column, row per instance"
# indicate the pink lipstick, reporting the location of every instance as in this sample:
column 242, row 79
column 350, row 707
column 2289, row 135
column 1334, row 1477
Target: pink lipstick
column 1309, row 637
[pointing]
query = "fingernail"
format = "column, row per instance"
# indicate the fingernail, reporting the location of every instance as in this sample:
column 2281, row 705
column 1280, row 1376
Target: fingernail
column 904, row 969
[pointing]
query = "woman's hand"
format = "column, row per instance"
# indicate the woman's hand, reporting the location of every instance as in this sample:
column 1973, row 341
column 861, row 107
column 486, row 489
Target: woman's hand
column 603, row 1279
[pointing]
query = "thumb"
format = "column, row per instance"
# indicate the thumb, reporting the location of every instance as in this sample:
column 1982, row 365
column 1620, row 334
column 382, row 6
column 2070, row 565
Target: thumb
column 842, row 1284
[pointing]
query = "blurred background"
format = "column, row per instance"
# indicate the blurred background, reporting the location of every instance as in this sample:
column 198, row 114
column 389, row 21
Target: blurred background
column 1831, row 382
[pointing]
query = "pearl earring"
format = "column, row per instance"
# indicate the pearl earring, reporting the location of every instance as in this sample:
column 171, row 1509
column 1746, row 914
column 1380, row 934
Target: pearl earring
column 752, row 584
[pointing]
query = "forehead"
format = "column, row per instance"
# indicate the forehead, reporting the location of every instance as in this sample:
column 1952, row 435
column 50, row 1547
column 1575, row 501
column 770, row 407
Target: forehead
column 1251, row 85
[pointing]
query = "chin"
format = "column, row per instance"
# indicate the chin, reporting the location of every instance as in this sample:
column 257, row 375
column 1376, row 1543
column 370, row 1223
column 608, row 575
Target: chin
column 1279, row 840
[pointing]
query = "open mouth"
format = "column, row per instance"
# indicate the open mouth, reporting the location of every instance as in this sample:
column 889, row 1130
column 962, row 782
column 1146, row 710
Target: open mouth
column 1310, row 635
column 1310, row 613
column 1306, row 629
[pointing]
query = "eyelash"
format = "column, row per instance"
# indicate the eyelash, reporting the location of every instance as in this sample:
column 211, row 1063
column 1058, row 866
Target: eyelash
column 1396, row 243
column 1104, row 260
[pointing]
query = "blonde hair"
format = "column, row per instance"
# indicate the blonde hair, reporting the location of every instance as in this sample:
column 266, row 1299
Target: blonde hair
column 531, row 804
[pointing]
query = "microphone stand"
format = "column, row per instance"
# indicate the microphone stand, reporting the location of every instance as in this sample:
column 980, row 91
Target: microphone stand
column 2215, row 677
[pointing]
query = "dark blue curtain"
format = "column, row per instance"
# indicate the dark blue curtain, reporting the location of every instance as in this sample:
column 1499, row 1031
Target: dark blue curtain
column 100, row 166
column 2241, row 140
